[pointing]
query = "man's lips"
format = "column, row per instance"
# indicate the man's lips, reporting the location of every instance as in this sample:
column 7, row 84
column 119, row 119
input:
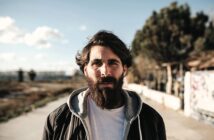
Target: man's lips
column 106, row 84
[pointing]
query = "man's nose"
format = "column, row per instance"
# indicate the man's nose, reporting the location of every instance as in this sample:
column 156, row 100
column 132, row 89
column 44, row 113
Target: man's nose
column 104, row 70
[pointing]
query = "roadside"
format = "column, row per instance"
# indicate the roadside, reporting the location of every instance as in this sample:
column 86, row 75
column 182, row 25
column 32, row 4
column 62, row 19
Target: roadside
column 29, row 126
column 178, row 127
column 18, row 98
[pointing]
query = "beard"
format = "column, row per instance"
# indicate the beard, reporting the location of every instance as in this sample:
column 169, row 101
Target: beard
column 107, row 97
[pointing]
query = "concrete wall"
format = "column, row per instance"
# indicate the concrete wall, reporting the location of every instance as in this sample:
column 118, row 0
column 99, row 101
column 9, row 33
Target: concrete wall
column 199, row 95
column 160, row 97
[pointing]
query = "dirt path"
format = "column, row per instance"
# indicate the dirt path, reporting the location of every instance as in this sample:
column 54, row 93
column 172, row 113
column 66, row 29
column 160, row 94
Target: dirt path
column 30, row 125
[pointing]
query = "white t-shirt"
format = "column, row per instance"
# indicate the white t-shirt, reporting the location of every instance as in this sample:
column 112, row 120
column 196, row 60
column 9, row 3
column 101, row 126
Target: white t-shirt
column 105, row 124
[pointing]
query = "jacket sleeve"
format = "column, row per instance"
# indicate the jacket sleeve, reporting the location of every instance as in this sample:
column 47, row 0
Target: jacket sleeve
column 161, row 129
column 48, row 129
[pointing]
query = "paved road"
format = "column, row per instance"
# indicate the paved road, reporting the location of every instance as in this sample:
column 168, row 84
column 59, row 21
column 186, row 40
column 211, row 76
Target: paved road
column 28, row 126
column 178, row 127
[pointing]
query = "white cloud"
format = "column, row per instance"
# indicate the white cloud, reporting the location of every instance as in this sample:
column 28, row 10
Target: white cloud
column 13, row 61
column 60, row 65
column 11, row 57
column 9, row 33
column 83, row 28
column 55, row 66
column 41, row 37
column 6, row 57
column 40, row 56
column 23, row 59
column 6, row 22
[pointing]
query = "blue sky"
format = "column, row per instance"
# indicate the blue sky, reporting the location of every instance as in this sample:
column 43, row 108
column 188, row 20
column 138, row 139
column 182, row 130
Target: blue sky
column 46, row 34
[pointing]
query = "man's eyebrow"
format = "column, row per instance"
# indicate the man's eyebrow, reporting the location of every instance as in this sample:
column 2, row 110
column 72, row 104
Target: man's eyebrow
column 114, row 60
column 96, row 60
column 100, row 60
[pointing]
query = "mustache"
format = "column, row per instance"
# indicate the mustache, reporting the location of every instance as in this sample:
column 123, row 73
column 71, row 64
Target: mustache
column 108, row 79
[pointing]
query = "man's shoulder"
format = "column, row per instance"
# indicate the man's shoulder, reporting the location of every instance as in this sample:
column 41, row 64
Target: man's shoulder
column 146, row 109
column 63, row 110
column 149, row 112
column 57, row 116
column 132, row 94
column 60, row 109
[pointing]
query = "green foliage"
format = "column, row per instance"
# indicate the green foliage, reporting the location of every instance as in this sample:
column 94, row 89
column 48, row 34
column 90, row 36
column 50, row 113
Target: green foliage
column 171, row 34
column 209, row 37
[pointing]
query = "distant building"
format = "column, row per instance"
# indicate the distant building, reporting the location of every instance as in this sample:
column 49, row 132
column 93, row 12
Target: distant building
column 8, row 76
column 40, row 76
column 201, row 61
column 50, row 76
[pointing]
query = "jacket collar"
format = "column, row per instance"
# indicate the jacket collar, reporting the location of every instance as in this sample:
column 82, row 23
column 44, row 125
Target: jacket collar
column 77, row 103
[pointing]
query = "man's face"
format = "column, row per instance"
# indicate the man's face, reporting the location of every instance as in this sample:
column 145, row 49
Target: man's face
column 104, row 73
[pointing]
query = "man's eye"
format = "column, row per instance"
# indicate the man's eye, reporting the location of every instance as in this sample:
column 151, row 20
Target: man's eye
column 96, row 63
column 112, row 63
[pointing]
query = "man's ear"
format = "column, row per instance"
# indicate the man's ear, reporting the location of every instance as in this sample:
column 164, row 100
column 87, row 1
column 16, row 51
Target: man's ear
column 85, row 70
column 125, row 70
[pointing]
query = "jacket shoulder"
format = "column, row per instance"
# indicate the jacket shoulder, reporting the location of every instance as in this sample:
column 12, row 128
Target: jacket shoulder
column 149, row 111
column 151, row 116
column 59, row 113
column 153, row 120
column 63, row 109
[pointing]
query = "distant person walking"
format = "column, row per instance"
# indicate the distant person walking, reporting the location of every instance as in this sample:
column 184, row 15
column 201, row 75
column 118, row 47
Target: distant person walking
column 103, row 110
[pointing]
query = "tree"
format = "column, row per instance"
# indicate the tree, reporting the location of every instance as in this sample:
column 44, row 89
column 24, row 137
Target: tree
column 20, row 75
column 172, row 35
column 209, row 37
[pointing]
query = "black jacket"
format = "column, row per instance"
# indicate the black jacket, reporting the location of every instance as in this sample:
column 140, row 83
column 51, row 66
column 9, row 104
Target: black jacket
column 69, row 121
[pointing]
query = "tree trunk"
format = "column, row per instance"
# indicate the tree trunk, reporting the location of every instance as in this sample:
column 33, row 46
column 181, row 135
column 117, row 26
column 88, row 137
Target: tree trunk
column 181, row 69
column 169, row 79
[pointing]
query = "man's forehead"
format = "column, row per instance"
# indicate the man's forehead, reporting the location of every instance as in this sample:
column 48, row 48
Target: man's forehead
column 109, row 59
column 100, row 52
column 104, row 59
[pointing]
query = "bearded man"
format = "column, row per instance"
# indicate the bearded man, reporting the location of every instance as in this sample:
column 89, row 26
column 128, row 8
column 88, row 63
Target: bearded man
column 104, row 110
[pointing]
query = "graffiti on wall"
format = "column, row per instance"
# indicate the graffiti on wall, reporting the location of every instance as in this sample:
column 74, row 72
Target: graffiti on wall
column 201, row 96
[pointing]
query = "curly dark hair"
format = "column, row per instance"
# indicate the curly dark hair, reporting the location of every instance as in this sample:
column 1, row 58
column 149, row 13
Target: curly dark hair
column 105, row 39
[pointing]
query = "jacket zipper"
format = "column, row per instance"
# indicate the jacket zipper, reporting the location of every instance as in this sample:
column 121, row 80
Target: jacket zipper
column 84, row 125
column 128, row 123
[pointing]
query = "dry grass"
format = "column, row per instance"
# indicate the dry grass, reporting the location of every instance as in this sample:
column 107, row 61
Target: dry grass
column 17, row 98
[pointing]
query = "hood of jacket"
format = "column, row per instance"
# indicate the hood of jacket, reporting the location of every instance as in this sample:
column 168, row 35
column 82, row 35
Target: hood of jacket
column 77, row 103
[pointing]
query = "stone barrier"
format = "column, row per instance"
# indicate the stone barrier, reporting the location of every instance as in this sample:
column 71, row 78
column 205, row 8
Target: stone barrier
column 170, row 101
